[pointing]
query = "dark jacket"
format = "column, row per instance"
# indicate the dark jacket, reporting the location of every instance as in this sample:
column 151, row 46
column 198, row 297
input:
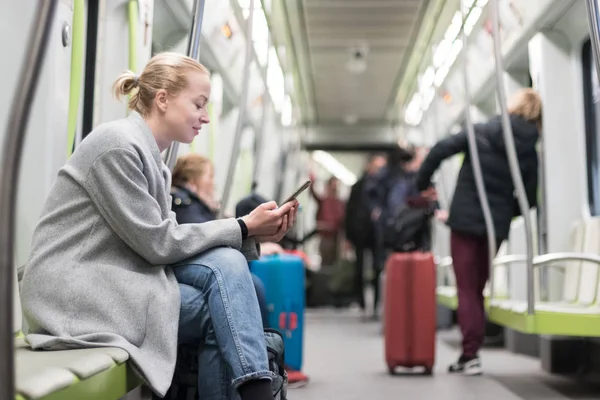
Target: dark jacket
column 357, row 217
column 189, row 208
column 466, row 214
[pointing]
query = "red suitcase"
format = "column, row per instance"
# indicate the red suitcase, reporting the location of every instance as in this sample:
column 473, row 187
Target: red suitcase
column 409, row 311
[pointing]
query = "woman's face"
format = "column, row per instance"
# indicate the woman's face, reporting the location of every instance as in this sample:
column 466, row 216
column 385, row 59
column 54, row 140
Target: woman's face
column 187, row 111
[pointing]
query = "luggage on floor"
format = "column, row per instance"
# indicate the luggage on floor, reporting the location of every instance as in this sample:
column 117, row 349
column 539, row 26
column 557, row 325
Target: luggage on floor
column 283, row 277
column 318, row 293
column 185, row 380
column 342, row 283
column 410, row 311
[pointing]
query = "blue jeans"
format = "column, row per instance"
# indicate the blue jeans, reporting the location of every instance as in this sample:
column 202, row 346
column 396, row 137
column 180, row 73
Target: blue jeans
column 220, row 315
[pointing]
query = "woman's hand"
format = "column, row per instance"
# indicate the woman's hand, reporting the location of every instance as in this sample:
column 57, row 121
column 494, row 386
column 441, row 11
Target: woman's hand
column 267, row 220
column 288, row 222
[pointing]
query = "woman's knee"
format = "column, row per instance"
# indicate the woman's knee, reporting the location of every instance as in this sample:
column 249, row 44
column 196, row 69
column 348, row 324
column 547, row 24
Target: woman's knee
column 228, row 263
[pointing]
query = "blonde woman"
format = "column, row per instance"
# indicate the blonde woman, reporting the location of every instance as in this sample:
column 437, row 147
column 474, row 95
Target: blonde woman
column 469, row 246
column 110, row 266
column 193, row 189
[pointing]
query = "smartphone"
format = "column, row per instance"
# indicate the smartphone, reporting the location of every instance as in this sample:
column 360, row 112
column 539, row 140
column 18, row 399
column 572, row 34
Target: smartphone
column 301, row 189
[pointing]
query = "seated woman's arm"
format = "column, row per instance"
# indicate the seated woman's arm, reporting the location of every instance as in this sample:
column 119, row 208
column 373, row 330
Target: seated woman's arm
column 120, row 190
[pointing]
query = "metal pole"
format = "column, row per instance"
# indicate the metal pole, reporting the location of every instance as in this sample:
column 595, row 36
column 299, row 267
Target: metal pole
column 193, row 51
column 436, row 128
column 9, row 180
column 258, row 140
column 593, row 12
column 542, row 221
column 235, row 150
column 511, row 154
column 476, row 163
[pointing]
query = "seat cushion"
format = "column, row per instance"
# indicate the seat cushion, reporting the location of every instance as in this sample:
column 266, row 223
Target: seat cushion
column 40, row 373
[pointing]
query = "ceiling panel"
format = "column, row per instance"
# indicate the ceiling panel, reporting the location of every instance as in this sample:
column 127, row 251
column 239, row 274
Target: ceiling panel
column 332, row 30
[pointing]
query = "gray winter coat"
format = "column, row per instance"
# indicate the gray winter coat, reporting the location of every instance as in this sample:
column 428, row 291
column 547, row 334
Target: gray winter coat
column 98, row 271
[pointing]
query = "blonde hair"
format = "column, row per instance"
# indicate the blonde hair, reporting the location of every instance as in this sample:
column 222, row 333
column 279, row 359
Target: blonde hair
column 189, row 167
column 165, row 71
column 527, row 104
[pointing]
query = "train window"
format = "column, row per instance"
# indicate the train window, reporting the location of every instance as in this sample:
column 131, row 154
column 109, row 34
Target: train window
column 591, row 92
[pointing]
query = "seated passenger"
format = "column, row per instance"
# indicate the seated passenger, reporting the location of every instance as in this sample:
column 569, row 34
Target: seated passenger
column 193, row 189
column 194, row 201
column 107, row 249
column 468, row 240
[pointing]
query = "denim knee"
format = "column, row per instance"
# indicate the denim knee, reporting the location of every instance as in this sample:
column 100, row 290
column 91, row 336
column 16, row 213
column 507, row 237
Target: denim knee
column 222, row 263
column 230, row 263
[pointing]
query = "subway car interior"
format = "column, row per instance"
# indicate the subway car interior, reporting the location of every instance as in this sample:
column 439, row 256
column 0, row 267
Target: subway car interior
column 392, row 109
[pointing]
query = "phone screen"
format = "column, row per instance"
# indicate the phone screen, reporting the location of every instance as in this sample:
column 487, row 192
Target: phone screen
column 301, row 189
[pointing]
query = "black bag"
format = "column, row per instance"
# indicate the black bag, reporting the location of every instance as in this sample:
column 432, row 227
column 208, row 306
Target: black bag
column 185, row 380
column 276, row 350
column 407, row 228
column 357, row 224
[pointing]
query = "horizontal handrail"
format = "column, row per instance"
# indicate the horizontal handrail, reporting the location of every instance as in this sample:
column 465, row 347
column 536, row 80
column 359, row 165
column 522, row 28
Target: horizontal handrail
column 552, row 257
column 538, row 261
column 544, row 259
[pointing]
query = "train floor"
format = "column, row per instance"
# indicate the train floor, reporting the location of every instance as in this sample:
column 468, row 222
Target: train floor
column 344, row 359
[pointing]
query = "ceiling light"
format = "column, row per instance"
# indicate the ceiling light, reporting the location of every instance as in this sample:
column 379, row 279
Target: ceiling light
column 335, row 167
column 356, row 66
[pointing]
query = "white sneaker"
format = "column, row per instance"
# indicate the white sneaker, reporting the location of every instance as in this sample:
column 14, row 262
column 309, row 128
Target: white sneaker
column 472, row 367
column 467, row 367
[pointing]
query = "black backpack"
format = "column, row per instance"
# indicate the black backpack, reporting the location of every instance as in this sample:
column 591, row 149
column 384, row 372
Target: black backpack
column 406, row 228
column 185, row 380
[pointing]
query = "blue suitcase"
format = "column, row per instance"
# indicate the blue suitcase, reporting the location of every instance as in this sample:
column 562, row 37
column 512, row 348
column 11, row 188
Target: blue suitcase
column 283, row 277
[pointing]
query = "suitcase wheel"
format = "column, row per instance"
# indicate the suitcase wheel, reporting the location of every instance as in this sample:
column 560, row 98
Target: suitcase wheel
column 428, row 371
column 391, row 370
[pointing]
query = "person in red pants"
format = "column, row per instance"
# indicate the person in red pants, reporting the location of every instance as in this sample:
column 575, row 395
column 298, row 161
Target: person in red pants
column 468, row 243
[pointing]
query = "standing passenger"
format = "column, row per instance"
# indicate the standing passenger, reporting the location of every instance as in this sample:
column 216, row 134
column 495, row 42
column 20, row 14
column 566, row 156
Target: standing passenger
column 468, row 241
column 108, row 279
column 330, row 220
column 360, row 220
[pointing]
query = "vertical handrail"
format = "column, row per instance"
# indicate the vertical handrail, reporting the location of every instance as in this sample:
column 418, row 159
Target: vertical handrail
column 542, row 220
column 133, row 17
column 12, row 148
column 193, row 51
column 511, row 154
column 593, row 12
column 435, row 110
column 476, row 163
column 243, row 105
column 258, row 139
column 76, row 79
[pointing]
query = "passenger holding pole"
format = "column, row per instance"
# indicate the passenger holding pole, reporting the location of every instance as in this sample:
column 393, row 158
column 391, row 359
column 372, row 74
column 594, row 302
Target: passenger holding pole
column 468, row 244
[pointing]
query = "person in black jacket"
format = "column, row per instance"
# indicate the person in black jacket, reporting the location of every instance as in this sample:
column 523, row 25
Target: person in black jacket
column 359, row 225
column 469, row 246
